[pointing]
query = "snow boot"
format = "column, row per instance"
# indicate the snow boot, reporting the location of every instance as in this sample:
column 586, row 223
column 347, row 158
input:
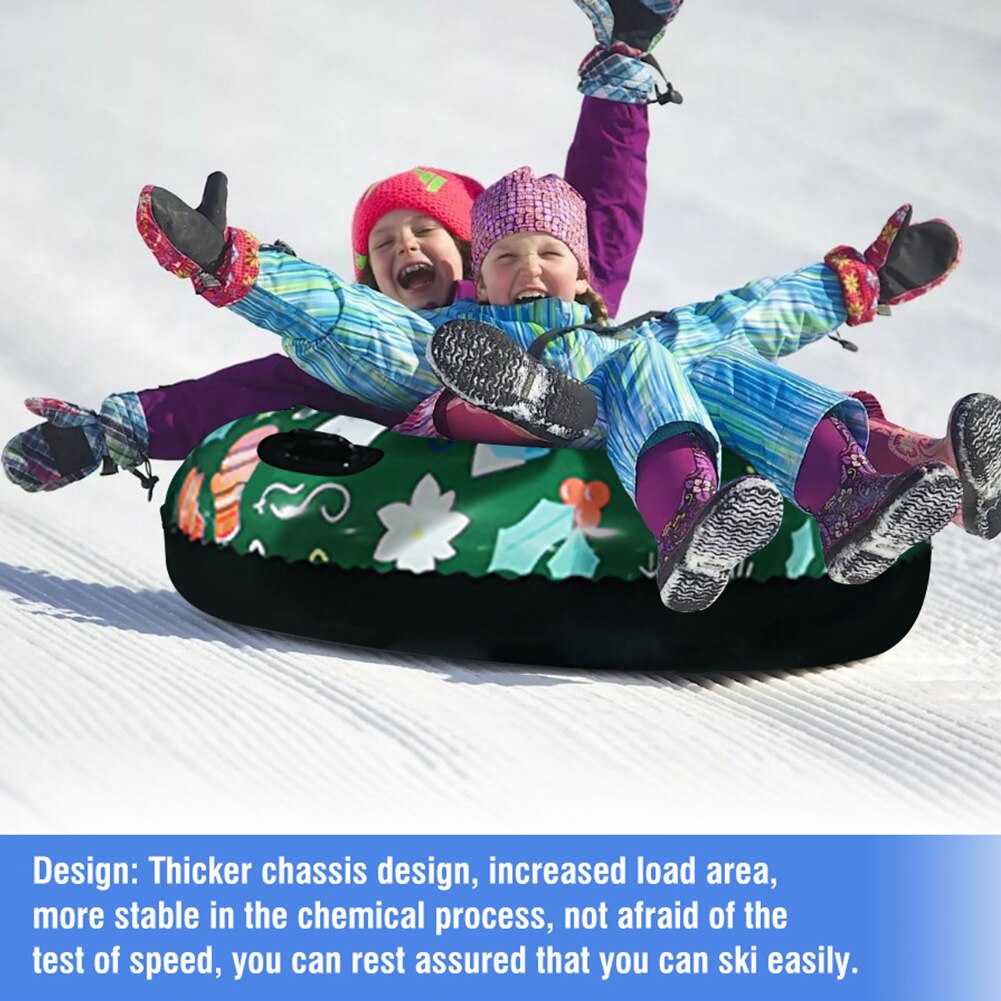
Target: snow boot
column 454, row 418
column 866, row 518
column 975, row 436
column 894, row 449
column 708, row 537
column 874, row 518
column 677, row 470
column 971, row 446
column 74, row 442
column 481, row 364
column 620, row 67
column 902, row 263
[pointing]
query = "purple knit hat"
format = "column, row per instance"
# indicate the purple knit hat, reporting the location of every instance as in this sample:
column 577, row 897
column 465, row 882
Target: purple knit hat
column 520, row 202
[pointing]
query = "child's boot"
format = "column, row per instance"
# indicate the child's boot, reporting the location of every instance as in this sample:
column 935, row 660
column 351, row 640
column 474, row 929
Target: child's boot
column 869, row 519
column 975, row 436
column 454, row 418
column 710, row 535
column 481, row 364
column 971, row 446
column 620, row 67
column 74, row 442
column 903, row 262
column 702, row 531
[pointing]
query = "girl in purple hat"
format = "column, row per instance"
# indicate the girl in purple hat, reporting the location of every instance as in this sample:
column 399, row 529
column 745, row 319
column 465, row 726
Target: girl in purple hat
column 662, row 420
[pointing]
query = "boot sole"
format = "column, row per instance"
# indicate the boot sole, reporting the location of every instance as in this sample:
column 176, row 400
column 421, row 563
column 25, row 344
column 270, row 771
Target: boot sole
column 923, row 504
column 975, row 435
column 486, row 368
column 742, row 518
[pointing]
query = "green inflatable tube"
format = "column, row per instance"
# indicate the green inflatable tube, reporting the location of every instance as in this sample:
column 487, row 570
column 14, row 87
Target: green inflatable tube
column 486, row 552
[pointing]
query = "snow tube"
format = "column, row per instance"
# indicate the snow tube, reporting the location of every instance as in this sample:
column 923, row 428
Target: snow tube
column 485, row 552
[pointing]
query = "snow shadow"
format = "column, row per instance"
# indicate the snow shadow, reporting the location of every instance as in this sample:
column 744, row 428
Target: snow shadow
column 152, row 612
column 163, row 612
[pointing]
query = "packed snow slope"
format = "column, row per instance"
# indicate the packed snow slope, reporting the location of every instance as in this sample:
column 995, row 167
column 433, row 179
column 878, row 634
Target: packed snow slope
column 804, row 125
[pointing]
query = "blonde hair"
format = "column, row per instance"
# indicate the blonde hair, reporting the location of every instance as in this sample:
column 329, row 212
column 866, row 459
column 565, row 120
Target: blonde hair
column 595, row 302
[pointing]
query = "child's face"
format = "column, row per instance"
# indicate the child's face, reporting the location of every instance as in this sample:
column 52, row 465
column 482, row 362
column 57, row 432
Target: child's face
column 414, row 259
column 525, row 266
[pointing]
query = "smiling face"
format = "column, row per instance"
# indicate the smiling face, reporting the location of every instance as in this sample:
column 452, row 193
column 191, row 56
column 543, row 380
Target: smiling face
column 414, row 259
column 525, row 266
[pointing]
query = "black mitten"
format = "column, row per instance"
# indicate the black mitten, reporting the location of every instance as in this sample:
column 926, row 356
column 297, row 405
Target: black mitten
column 637, row 24
column 183, row 237
column 919, row 257
column 221, row 261
column 903, row 262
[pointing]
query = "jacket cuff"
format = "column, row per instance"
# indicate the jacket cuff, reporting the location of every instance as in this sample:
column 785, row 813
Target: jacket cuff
column 618, row 73
column 238, row 273
column 126, row 433
column 859, row 283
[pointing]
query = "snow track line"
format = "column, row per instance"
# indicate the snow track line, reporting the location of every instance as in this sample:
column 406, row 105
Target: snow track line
column 271, row 668
column 908, row 756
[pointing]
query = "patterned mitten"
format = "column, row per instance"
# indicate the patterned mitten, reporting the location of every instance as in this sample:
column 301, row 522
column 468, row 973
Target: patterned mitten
column 221, row 262
column 620, row 67
column 903, row 262
column 74, row 442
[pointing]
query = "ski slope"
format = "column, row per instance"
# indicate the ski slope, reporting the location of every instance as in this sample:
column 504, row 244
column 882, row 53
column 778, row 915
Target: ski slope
column 123, row 709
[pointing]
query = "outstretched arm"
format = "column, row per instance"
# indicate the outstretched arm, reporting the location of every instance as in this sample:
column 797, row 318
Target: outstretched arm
column 777, row 315
column 607, row 160
column 903, row 262
column 607, row 164
column 179, row 416
column 348, row 336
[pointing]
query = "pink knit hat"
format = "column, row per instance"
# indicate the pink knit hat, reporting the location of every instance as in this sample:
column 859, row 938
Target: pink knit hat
column 442, row 195
column 520, row 202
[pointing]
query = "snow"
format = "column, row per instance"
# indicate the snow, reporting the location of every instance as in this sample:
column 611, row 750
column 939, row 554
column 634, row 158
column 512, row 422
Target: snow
column 124, row 709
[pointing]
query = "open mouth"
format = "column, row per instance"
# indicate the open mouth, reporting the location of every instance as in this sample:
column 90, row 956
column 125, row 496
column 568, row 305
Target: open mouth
column 530, row 296
column 416, row 276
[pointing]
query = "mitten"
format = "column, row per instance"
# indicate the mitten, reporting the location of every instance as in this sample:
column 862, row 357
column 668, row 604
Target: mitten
column 903, row 262
column 73, row 442
column 911, row 260
column 221, row 262
column 620, row 67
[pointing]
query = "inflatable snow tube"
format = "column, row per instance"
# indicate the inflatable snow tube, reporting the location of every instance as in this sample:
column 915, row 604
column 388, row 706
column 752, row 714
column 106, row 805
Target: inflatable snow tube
column 485, row 552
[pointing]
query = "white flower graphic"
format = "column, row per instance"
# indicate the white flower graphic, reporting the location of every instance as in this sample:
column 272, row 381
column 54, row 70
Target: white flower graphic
column 419, row 533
